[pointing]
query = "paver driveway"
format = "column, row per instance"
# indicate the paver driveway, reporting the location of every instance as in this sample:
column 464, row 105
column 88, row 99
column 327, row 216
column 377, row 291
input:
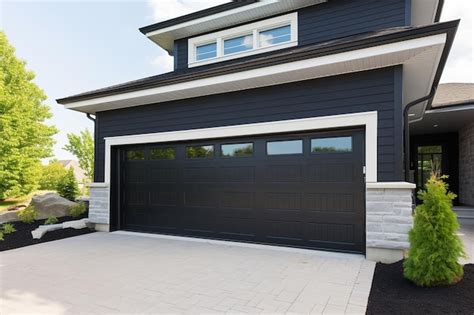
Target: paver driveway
column 114, row 272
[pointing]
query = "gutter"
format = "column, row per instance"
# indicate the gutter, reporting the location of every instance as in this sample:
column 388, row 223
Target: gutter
column 90, row 117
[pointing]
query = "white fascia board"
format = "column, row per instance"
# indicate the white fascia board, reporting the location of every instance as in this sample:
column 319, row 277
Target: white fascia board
column 360, row 60
column 250, row 7
column 365, row 119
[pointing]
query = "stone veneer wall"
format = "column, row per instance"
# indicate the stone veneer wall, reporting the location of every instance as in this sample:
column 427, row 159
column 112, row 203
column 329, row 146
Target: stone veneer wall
column 388, row 219
column 466, row 165
column 99, row 205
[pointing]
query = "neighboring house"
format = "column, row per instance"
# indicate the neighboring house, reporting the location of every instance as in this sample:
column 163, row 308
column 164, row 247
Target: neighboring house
column 78, row 172
column 282, row 123
column 446, row 135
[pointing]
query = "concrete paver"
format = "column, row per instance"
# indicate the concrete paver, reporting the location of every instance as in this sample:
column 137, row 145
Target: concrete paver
column 107, row 273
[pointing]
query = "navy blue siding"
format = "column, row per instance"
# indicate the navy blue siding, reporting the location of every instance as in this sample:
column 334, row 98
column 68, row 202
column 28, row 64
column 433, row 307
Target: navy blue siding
column 332, row 20
column 376, row 90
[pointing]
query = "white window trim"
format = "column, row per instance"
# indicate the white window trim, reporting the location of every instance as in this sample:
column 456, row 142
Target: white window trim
column 366, row 119
column 252, row 28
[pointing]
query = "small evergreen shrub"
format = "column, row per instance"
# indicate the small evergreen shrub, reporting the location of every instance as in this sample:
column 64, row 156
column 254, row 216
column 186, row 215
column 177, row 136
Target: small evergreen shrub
column 8, row 228
column 27, row 215
column 77, row 210
column 1, row 236
column 67, row 186
column 51, row 220
column 435, row 248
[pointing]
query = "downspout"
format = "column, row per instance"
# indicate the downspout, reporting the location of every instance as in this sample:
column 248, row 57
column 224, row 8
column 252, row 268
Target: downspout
column 407, row 128
column 90, row 117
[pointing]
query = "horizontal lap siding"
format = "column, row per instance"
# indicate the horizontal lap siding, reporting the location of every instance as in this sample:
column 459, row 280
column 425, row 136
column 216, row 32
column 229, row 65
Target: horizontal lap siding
column 358, row 92
column 332, row 20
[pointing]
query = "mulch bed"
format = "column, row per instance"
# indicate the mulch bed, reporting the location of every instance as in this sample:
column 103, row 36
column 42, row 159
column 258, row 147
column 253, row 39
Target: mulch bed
column 22, row 237
column 391, row 293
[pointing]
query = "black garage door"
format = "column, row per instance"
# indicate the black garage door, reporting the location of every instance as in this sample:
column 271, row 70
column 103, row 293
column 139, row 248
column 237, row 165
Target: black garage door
column 303, row 190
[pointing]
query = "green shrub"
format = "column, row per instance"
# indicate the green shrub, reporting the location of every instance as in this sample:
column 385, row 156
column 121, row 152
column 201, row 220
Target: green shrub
column 435, row 248
column 28, row 214
column 51, row 220
column 77, row 210
column 52, row 175
column 67, row 186
column 8, row 228
column 1, row 236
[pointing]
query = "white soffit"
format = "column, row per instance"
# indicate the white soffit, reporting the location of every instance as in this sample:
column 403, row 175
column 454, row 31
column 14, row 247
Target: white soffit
column 165, row 37
column 420, row 58
column 423, row 12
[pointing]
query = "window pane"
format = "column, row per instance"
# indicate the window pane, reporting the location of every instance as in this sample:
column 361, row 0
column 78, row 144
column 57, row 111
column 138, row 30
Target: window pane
column 206, row 51
column 237, row 150
column 238, row 44
column 327, row 145
column 285, row 147
column 135, row 155
column 430, row 149
column 163, row 154
column 202, row 151
column 275, row 36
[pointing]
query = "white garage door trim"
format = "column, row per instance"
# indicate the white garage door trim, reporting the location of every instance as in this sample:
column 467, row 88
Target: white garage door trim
column 367, row 119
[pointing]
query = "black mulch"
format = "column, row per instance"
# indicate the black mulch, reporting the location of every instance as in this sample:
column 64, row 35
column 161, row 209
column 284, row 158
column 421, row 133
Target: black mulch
column 391, row 293
column 22, row 237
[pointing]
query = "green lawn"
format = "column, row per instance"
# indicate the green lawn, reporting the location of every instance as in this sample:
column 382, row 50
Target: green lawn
column 23, row 200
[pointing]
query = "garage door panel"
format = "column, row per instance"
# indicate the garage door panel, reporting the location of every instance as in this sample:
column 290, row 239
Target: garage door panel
column 284, row 173
column 330, row 202
column 237, row 174
column 200, row 174
column 163, row 174
column 308, row 199
column 331, row 173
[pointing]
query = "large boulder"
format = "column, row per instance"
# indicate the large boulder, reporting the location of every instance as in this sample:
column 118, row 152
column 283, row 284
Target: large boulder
column 51, row 205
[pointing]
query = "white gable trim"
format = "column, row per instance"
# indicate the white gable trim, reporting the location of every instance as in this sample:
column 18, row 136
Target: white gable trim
column 366, row 119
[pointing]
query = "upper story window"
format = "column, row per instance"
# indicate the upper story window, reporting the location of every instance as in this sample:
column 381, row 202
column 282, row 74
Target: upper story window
column 206, row 51
column 254, row 38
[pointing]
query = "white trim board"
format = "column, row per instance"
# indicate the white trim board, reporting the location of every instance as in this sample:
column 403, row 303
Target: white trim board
column 253, row 29
column 366, row 119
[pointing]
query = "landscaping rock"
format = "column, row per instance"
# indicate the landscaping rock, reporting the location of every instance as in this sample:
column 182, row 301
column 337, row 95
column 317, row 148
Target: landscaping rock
column 43, row 229
column 51, row 205
column 8, row 216
column 77, row 224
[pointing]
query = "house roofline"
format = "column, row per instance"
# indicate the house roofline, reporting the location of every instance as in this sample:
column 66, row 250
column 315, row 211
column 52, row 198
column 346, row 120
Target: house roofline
column 195, row 15
column 290, row 55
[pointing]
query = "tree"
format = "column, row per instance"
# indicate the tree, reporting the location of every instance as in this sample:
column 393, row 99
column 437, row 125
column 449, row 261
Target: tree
column 52, row 175
column 82, row 146
column 435, row 248
column 67, row 187
column 25, row 138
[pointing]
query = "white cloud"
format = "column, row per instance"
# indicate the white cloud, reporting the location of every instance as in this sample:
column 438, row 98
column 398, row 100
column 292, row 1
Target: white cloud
column 460, row 65
column 163, row 62
column 168, row 9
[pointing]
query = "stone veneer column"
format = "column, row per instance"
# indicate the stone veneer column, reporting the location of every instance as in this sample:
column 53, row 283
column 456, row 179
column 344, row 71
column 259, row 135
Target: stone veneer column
column 99, row 206
column 388, row 220
column 466, row 165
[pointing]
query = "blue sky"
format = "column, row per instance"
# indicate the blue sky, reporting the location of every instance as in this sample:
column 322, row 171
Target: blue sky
column 75, row 46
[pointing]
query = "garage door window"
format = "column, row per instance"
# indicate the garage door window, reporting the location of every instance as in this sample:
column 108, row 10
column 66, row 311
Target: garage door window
column 237, row 150
column 285, row 147
column 200, row 151
column 135, row 155
column 331, row 145
column 163, row 154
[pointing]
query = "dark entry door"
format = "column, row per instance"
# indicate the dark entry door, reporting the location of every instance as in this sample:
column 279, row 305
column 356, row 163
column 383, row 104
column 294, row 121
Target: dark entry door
column 303, row 190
